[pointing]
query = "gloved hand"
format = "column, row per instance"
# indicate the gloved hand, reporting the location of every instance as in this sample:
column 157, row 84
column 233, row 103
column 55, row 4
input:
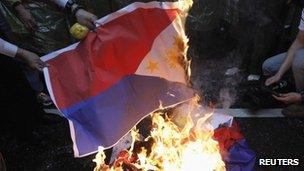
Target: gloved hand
column 86, row 18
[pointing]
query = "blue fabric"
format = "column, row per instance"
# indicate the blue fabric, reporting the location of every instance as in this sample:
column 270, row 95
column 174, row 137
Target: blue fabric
column 240, row 157
column 102, row 120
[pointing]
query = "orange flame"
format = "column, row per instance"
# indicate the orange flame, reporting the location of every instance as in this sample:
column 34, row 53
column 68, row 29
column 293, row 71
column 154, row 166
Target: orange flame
column 188, row 146
column 176, row 141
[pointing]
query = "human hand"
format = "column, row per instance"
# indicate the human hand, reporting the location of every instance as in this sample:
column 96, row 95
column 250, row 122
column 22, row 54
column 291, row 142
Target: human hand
column 26, row 18
column 31, row 59
column 272, row 79
column 289, row 98
column 86, row 18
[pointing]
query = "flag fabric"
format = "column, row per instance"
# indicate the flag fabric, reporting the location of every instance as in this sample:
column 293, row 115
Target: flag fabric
column 120, row 73
column 234, row 149
column 240, row 157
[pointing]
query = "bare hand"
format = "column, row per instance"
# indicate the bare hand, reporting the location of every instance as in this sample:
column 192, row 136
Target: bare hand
column 272, row 80
column 26, row 18
column 85, row 18
column 31, row 59
column 289, row 98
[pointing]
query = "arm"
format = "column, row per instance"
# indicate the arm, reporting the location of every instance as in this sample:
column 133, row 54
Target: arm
column 290, row 98
column 61, row 3
column 296, row 45
column 30, row 58
column 83, row 17
column 23, row 14
column 7, row 48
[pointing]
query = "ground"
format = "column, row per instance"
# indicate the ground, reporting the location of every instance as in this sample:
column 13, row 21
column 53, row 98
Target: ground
column 269, row 138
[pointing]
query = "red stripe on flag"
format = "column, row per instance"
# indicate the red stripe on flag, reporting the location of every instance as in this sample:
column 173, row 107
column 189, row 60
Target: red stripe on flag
column 116, row 50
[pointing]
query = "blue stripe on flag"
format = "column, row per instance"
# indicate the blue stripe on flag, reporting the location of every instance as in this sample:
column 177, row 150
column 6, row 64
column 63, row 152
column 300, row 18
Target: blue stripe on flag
column 102, row 120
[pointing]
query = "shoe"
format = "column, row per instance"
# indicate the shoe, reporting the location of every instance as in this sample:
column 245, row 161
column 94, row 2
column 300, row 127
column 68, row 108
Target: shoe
column 232, row 71
column 294, row 111
column 252, row 77
column 44, row 99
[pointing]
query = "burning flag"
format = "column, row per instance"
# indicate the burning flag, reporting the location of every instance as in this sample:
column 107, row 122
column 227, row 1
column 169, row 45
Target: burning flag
column 120, row 73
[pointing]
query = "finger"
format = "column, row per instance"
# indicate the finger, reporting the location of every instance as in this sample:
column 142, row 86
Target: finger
column 284, row 95
column 40, row 67
column 267, row 83
column 90, row 25
column 42, row 63
column 278, row 98
column 93, row 18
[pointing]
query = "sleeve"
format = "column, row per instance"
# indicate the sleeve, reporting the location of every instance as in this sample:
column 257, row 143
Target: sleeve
column 7, row 48
column 301, row 26
column 61, row 3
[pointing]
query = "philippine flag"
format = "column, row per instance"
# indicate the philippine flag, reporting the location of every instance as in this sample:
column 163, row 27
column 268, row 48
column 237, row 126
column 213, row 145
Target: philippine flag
column 120, row 73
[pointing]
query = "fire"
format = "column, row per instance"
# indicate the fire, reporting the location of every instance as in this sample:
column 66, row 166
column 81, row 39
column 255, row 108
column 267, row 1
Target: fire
column 175, row 144
column 177, row 141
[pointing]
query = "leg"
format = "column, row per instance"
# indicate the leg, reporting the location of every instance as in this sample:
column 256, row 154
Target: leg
column 298, row 70
column 273, row 64
column 34, row 79
column 19, row 105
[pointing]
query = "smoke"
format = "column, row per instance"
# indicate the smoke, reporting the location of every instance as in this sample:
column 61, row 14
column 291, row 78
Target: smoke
column 227, row 98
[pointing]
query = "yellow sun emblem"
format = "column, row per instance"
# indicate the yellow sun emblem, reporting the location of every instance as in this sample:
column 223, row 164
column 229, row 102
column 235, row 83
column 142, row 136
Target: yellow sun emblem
column 176, row 53
column 152, row 66
column 173, row 58
column 180, row 43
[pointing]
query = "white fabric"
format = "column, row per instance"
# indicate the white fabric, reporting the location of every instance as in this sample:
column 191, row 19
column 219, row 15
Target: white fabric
column 163, row 54
column 7, row 48
column 301, row 26
column 61, row 3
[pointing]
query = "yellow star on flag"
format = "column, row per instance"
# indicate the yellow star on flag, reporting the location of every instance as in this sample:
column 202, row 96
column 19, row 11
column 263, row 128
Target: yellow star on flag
column 152, row 66
column 173, row 57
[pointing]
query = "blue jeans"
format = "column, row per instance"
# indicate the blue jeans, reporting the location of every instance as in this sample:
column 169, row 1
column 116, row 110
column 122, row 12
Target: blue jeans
column 272, row 65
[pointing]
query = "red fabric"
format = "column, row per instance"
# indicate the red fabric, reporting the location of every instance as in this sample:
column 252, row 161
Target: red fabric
column 103, row 58
column 124, row 158
column 227, row 136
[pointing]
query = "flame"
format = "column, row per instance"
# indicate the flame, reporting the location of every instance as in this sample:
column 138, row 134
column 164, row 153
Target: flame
column 175, row 147
column 176, row 142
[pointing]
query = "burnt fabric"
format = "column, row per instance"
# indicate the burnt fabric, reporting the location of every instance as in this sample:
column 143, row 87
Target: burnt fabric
column 234, row 149
column 240, row 157
column 227, row 136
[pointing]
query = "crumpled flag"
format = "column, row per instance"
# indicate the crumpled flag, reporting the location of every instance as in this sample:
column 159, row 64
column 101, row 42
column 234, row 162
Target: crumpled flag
column 227, row 136
column 240, row 157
